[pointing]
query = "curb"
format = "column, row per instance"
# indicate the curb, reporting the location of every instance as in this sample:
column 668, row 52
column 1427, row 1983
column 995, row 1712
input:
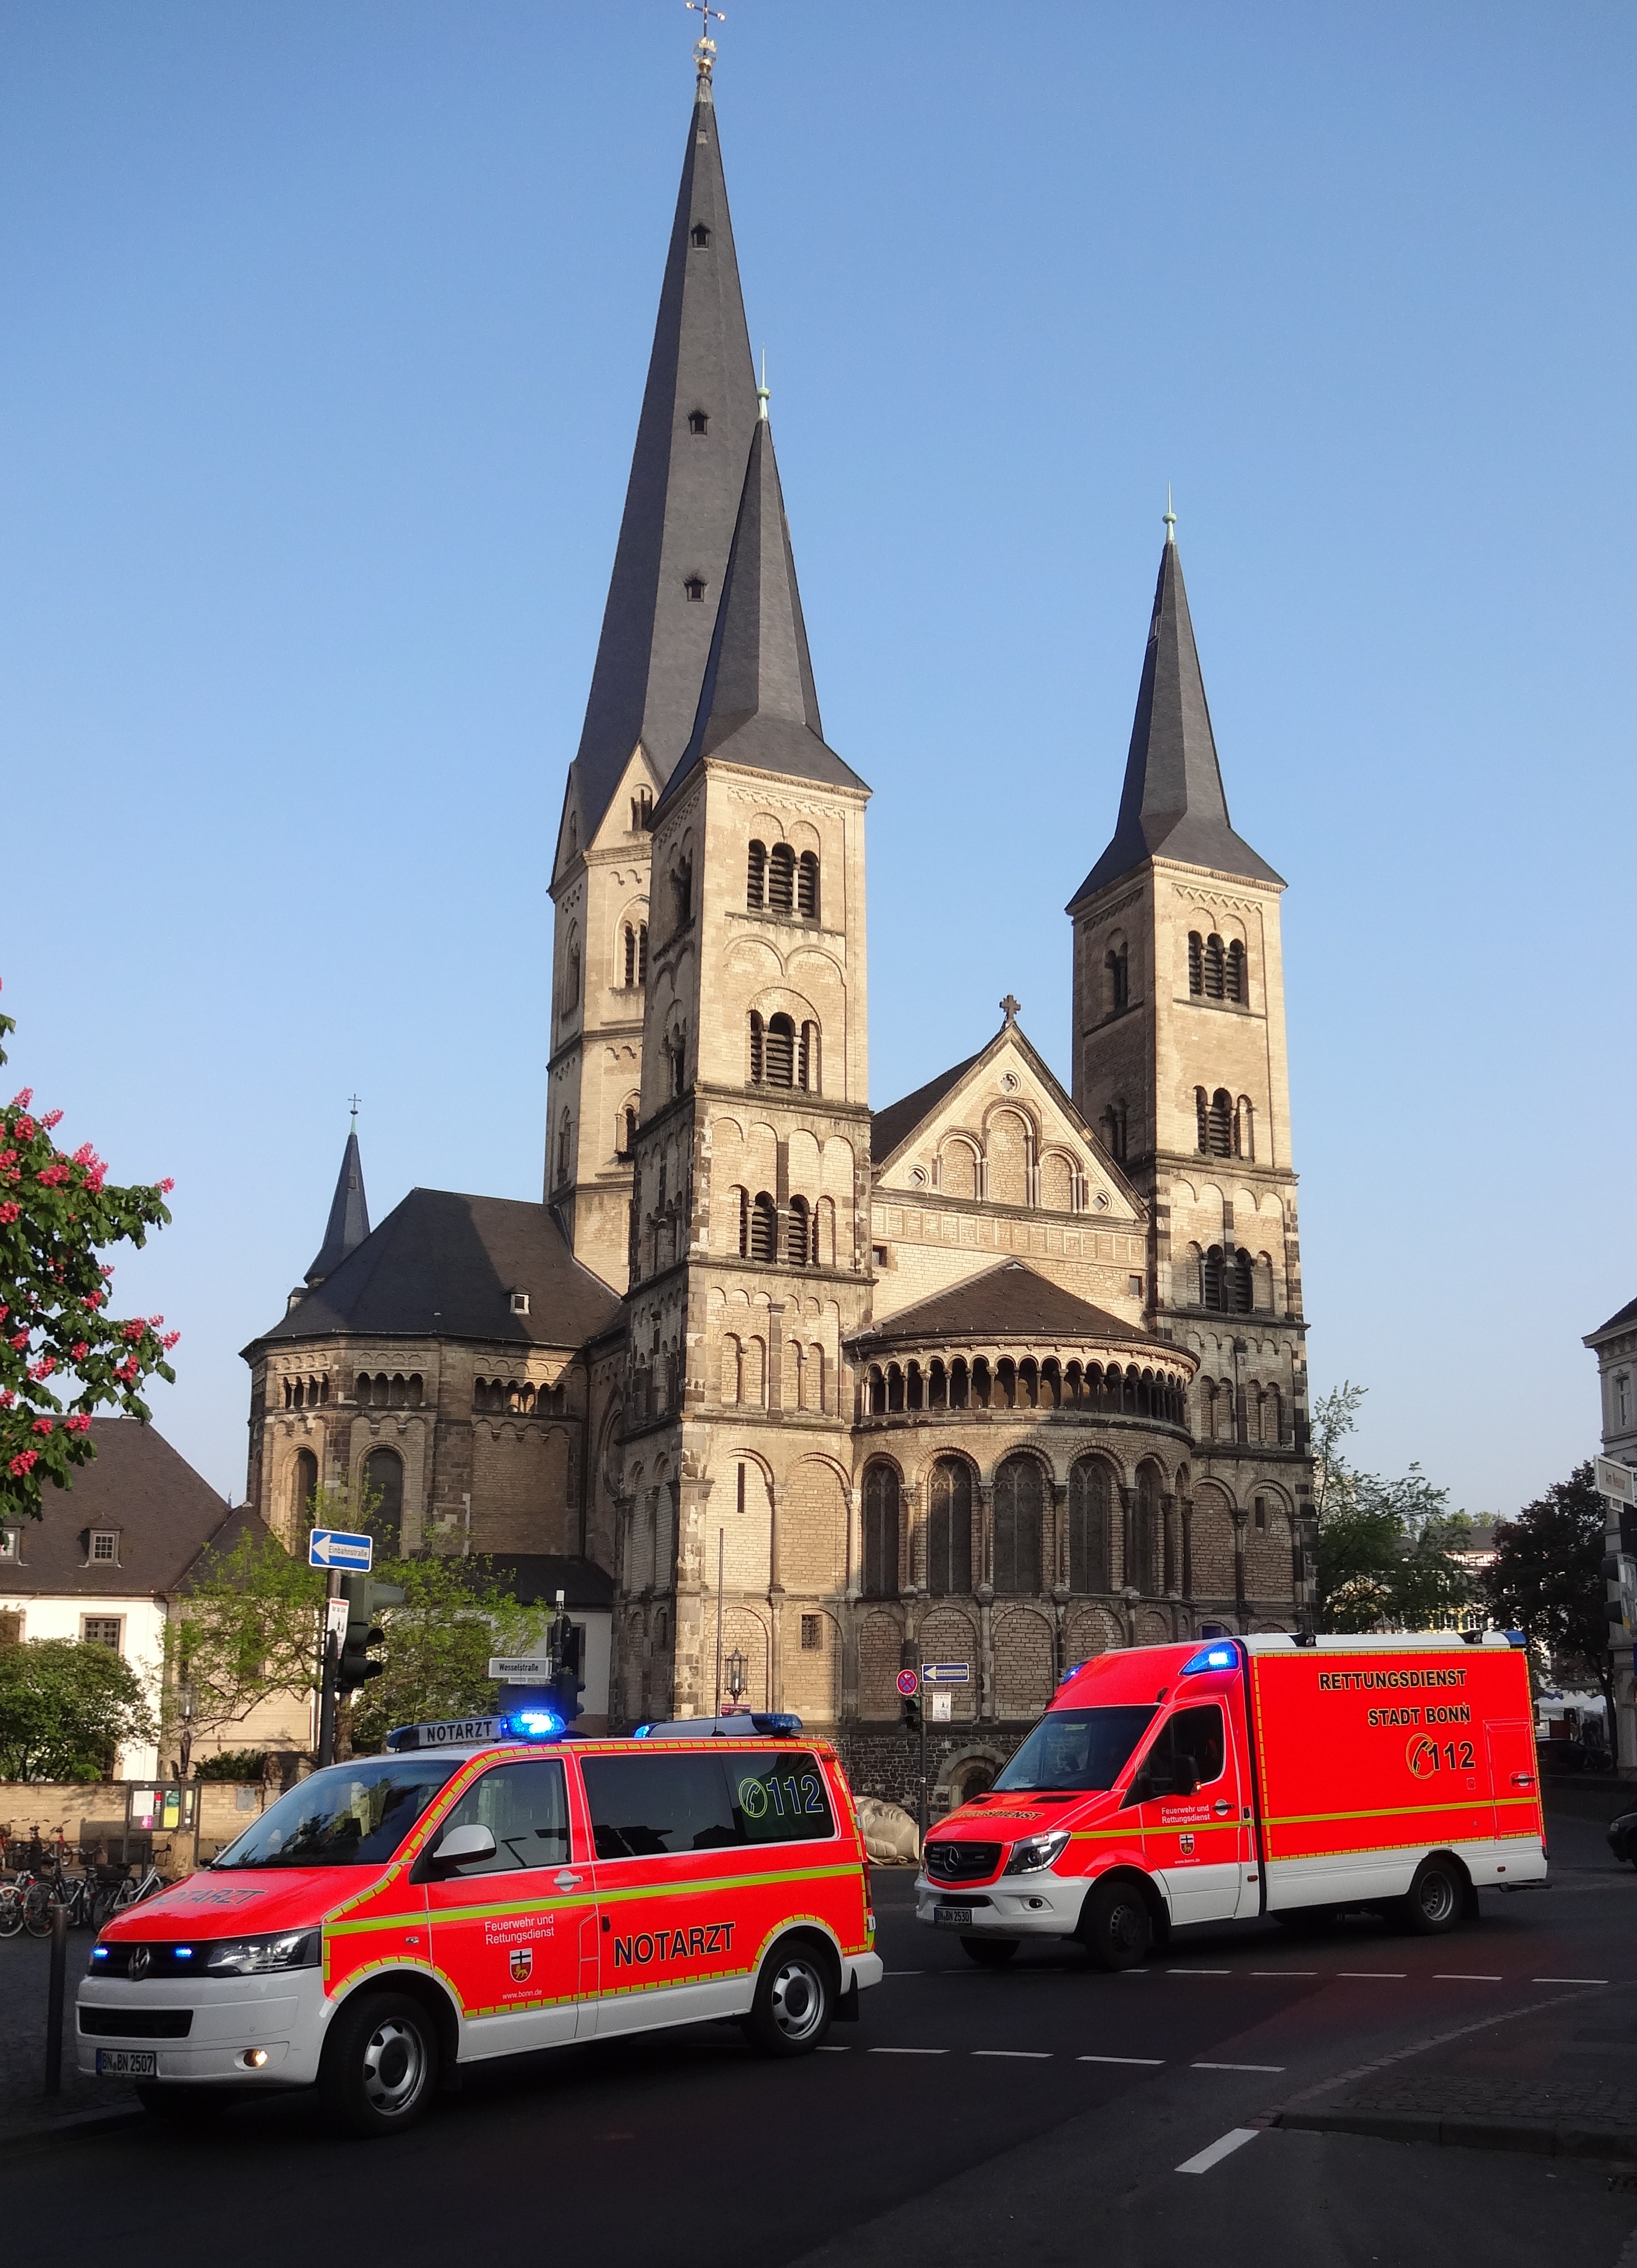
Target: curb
column 1533, row 2136
column 77, row 2124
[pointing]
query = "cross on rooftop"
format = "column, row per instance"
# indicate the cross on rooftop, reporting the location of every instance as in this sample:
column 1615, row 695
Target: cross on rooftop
column 1011, row 1009
column 353, row 1100
column 705, row 50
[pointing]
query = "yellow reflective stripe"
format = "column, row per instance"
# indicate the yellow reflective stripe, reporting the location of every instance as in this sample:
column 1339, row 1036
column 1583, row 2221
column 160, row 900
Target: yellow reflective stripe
column 1404, row 1810
column 377, row 1921
column 498, row 1912
column 730, row 1882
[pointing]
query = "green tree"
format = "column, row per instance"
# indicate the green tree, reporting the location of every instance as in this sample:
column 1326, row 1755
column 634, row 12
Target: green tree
column 63, row 1356
column 1385, row 1545
column 245, row 1634
column 435, row 1657
column 66, row 1708
column 1547, row 1578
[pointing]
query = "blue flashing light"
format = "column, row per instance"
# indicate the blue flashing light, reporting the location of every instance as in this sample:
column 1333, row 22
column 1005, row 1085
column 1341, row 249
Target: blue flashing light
column 1515, row 1637
column 642, row 1732
column 99, row 1953
column 1221, row 1655
column 532, row 1725
column 181, row 1952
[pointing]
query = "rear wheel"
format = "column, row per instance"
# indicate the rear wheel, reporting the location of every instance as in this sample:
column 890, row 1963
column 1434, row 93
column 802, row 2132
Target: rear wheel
column 1437, row 1898
column 380, row 2064
column 37, row 1911
column 796, row 1999
column 989, row 1951
column 1115, row 1927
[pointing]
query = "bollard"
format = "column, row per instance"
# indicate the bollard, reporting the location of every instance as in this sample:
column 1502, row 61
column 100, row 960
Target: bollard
column 54, row 2001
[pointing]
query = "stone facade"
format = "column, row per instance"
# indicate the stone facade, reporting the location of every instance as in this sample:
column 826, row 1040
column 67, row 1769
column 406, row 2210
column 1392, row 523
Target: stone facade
column 1615, row 1346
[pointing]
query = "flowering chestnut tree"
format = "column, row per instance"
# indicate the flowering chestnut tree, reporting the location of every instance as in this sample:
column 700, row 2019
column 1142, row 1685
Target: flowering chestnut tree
column 62, row 1355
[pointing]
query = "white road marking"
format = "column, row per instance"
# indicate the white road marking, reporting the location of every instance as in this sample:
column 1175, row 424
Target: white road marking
column 1372, row 1974
column 1568, row 1980
column 1235, row 2138
column 1284, row 1972
column 1198, row 1972
column 1017, row 2055
column 835, row 2050
column 1155, row 2063
column 904, row 1972
column 1236, row 2066
column 909, row 2050
column 1463, row 1977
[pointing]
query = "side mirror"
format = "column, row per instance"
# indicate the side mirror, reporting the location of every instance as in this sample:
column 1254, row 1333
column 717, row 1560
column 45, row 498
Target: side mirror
column 460, row 1846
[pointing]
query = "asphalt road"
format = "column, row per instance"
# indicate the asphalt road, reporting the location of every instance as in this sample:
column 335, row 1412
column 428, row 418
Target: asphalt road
column 969, row 2112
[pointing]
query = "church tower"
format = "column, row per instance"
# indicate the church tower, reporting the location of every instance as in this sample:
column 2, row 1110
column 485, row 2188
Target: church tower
column 697, row 412
column 1180, row 1064
column 749, row 1229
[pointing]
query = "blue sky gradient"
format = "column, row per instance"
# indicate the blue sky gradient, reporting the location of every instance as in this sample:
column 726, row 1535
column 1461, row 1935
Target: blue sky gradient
column 323, row 333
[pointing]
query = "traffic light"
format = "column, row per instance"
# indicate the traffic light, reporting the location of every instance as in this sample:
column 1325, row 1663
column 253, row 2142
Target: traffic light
column 567, row 1648
column 364, row 1599
column 911, row 1706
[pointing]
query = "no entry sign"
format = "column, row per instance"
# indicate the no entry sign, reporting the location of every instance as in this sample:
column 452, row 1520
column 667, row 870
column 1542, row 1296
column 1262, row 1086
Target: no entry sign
column 908, row 1682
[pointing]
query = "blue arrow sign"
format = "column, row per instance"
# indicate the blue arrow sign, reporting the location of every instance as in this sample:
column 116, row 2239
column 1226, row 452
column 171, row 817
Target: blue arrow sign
column 332, row 1547
column 946, row 1673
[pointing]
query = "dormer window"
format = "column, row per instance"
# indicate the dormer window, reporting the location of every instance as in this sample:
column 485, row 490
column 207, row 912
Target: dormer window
column 699, row 236
column 520, row 1303
column 10, row 1545
column 695, row 588
column 105, row 1547
column 698, row 421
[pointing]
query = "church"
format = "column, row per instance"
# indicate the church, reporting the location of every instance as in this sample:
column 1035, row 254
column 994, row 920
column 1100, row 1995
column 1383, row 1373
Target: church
column 795, row 1391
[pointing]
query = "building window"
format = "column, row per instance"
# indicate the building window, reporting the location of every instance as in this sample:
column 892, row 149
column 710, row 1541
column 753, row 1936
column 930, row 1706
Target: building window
column 808, row 886
column 1233, row 972
column 571, row 974
column 1218, row 1123
column 1258, row 1511
column 781, row 879
column 773, row 1051
column 698, row 421
column 636, row 953
column 681, row 894
column 949, row 1529
column 628, row 1121
column 1018, row 1492
column 101, row 1630
column 104, row 1548
column 11, row 1626
column 881, row 1532
column 878, row 1254
column 802, row 1240
column 565, row 1148
column 1622, row 1400
column 383, row 1481
column 1114, row 1122
column 642, row 810
column 698, row 236
column 1196, row 962
column 303, row 1484
column 520, row 1303
column 1117, row 969
column 812, row 1633
column 808, row 1059
column 756, row 878
column 10, row 1545
column 1091, row 1508
column 764, row 1229
column 695, row 588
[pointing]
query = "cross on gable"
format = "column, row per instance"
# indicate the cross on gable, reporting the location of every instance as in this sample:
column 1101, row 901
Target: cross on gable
column 1011, row 1008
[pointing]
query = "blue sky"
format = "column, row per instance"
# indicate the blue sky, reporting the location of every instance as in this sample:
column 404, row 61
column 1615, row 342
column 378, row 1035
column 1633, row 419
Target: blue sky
column 323, row 333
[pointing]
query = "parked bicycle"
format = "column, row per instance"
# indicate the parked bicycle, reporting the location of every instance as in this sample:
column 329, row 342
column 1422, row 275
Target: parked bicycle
column 13, row 1901
column 116, row 1896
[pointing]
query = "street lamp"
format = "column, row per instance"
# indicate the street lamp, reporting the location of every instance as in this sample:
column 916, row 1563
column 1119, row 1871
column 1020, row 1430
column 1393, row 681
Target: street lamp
column 733, row 1670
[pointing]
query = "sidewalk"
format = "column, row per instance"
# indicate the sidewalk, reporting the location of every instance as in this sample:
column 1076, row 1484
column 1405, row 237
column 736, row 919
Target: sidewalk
column 25, row 2108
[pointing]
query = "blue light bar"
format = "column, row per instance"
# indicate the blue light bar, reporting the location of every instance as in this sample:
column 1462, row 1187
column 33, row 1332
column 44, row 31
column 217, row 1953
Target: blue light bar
column 181, row 1952
column 1222, row 1654
column 98, row 1952
column 532, row 1725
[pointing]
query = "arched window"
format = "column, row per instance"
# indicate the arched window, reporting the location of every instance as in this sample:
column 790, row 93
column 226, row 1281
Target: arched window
column 1215, row 1114
column 1233, row 972
column 765, row 1228
column 781, row 879
column 303, row 1482
column 682, row 892
column 565, row 1148
column 1018, row 1490
column 1244, row 1282
column 1244, row 1128
column 627, row 1142
column 1144, row 1569
column 698, row 421
column 693, row 590
column 742, row 1198
column 1265, row 1285
column 698, row 236
column 781, row 1052
column 571, row 973
column 799, row 1238
column 1116, row 968
column 383, row 1478
column 676, row 1057
column 756, row 878
column 881, row 1532
column 1113, row 1130
column 824, row 1232
column 1196, row 962
column 631, row 955
column 949, row 1529
column 808, row 1059
column 758, row 1049
column 1091, row 1505
column 1213, row 967
column 1214, row 1281
column 808, row 886
column 1202, row 1112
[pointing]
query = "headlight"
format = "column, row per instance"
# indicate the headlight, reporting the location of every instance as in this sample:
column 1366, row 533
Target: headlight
column 254, row 1956
column 1039, row 1851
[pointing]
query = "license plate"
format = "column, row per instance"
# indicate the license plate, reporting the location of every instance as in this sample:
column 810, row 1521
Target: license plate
column 953, row 1917
column 128, row 2062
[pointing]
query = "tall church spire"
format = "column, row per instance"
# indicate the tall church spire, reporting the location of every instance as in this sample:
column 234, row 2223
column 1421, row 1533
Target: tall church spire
column 697, row 412
column 1173, row 801
column 758, row 705
column 349, row 1222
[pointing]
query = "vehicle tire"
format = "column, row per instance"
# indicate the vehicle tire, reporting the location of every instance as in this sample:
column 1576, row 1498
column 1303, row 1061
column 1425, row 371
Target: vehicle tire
column 380, row 2064
column 1115, row 1927
column 796, row 1999
column 989, row 1951
column 181, row 2106
column 1437, row 1898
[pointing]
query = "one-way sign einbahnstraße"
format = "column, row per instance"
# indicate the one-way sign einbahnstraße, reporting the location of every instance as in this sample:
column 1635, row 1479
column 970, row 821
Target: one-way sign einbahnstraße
column 334, row 1547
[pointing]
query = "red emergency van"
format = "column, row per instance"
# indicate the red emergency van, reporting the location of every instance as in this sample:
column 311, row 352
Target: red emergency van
column 1173, row 1783
column 474, row 1894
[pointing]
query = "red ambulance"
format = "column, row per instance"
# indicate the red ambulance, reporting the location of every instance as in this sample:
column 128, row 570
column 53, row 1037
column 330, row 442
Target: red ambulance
column 476, row 1893
column 1262, row 1775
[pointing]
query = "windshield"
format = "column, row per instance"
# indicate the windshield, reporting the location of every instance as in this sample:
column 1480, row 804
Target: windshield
column 352, row 1815
column 1075, row 1748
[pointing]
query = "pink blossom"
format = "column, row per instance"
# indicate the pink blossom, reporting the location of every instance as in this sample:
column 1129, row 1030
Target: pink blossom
column 80, row 1348
column 6, row 1397
column 20, row 1340
column 48, row 1177
column 52, row 1119
column 133, row 1331
column 42, row 1425
column 25, row 1463
column 25, row 1129
column 76, row 1425
column 21, row 1099
column 44, row 1367
column 169, row 1340
column 8, row 1214
column 165, row 1187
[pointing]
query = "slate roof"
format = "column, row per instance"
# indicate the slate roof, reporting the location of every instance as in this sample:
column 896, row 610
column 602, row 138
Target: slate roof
column 1006, row 1302
column 444, row 1265
column 164, row 1513
column 758, row 705
column 535, row 1578
column 683, row 494
column 1621, row 1322
column 899, row 1120
column 1173, row 800
column 349, row 1222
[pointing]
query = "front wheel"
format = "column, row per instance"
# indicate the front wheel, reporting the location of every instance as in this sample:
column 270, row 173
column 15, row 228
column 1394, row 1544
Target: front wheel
column 1436, row 1898
column 1115, row 1927
column 990, row 1952
column 380, row 2064
column 795, row 2000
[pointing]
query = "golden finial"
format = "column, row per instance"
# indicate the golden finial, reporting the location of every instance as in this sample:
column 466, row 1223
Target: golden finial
column 705, row 48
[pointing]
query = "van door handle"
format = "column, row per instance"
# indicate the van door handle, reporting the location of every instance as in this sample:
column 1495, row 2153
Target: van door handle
column 1522, row 1779
column 565, row 1880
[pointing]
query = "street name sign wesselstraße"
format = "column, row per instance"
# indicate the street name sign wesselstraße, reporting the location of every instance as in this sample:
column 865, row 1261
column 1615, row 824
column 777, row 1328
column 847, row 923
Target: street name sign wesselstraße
column 520, row 1668
column 335, row 1547
column 946, row 1673
column 1617, row 1481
